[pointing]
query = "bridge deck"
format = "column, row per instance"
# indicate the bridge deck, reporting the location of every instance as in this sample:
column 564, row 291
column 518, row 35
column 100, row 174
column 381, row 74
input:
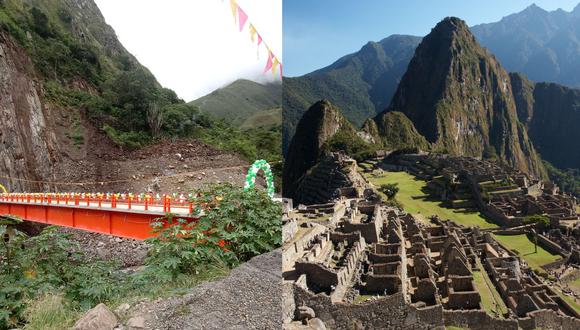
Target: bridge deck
column 118, row 218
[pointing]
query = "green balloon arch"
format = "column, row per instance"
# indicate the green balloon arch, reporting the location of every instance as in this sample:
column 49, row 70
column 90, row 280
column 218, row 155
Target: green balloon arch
column 253, row 172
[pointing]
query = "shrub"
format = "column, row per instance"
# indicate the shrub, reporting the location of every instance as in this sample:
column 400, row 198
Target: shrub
column 236, row 226
column 390, row 190
column 130, row 140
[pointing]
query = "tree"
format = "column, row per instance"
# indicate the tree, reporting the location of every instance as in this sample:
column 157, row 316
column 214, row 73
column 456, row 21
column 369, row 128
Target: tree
column 155, row 119
column 541, row 221
column 390, row 190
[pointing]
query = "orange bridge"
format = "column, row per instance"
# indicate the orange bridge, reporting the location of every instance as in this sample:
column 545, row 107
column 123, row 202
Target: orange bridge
column 113, row 214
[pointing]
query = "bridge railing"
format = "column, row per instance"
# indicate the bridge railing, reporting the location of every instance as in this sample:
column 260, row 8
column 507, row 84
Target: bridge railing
column 180, row 204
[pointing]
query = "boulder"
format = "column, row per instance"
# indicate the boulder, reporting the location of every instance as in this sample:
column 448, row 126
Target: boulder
column 98, row 318
column 137, row 322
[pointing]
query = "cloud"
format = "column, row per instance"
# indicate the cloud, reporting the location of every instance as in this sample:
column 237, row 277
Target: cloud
column 194, row 47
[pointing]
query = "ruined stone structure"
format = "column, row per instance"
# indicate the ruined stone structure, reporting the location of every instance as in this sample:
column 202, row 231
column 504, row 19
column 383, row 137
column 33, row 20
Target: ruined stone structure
column 378, row 260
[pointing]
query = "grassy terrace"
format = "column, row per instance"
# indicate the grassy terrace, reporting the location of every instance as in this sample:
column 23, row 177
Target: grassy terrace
column 525, row 248
column 490, row 298
column 417, row 202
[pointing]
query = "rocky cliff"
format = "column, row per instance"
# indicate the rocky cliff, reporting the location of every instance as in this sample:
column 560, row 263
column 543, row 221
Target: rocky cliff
column 317, row 128
column 460, row 99
column 551, row 113
column 28, row 146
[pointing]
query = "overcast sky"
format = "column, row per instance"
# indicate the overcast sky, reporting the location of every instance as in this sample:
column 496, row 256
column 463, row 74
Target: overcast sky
column 195, row 47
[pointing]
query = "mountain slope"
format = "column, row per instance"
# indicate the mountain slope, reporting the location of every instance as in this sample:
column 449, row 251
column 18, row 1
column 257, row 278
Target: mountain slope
column 460, row 99
column 243, row 102
column 360, row 84
column 542, row 44
column 551, row 113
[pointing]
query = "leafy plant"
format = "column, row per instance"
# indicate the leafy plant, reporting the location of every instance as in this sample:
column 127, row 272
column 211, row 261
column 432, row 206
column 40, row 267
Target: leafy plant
column 235, row 225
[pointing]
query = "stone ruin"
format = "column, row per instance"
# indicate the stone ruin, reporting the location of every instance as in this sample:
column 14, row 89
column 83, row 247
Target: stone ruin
column 376, row 266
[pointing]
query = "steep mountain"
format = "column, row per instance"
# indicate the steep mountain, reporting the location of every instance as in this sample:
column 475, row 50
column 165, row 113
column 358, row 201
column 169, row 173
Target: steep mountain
column 244, row 102
column 541, row 44
column 360, row 84
column 73, row 101
column 58, row 59
column 545, row 45
column 317, row 129
column 460, row 99
column 551, row 113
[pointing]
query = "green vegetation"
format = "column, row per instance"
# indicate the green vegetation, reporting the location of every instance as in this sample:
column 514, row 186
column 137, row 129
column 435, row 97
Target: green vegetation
column 263, row 119
column 490, row 298
column 542, row 222
column 524, row 247
column 48, row 282
column 244, row 103
column 390, row 190
column 348, row 141
column 91, row 73
column 414, row 200
column 568, row 180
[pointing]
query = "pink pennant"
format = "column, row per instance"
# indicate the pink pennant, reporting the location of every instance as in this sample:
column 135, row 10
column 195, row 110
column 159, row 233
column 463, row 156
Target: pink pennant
column 259, row 39
column 242, row 18
column 269, row 63
column 280, row 71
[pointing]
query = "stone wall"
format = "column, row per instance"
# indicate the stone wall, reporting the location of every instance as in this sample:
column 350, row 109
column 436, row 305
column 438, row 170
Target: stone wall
column 547, row 319
column 477, row 320
column 390, row 312
column 551, row 246
column 288, row 230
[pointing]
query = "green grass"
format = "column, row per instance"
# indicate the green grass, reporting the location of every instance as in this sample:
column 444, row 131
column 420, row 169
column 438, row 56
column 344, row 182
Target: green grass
column 418, row 203
column 263, row 119
column 568, row 299
column 50, row 312
column 525, row 248
column 361, row 298
column 488, row 293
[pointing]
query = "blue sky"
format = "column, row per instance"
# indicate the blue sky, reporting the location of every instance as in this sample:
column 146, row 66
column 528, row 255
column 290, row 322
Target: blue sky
column 318, row 32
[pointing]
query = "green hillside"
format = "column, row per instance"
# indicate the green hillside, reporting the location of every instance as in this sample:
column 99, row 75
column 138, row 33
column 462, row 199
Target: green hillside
column 244, row 103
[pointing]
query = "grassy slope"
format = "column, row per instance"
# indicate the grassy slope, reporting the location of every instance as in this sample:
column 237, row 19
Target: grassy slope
column 241, row 100
column 489, row 294
column 525, row 247
column 415, row 201
column 263, row 119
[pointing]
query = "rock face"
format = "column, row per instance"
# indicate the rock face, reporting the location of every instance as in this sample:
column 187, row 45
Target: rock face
column 28, row 147
column 98, row 318
column 551, row 113
column 460, row 99
column 318, row 125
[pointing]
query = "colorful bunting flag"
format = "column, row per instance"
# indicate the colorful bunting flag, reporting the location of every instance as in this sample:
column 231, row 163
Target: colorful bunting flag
column 242, row 18
column 252, row 32
column 275, row 65
column 269, row 63
column 234, row 8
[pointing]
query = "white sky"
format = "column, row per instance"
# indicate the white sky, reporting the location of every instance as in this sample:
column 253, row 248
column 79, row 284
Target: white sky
column 194, row 46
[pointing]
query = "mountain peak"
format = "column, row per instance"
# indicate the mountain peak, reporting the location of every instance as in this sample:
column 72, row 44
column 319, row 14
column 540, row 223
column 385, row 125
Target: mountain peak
column 534, row 9
column 454, row 88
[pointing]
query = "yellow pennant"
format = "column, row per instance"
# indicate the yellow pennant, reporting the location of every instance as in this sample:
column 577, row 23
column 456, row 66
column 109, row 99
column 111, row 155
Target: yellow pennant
column 234, row 7
column 274, row 65
column 253, row 32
